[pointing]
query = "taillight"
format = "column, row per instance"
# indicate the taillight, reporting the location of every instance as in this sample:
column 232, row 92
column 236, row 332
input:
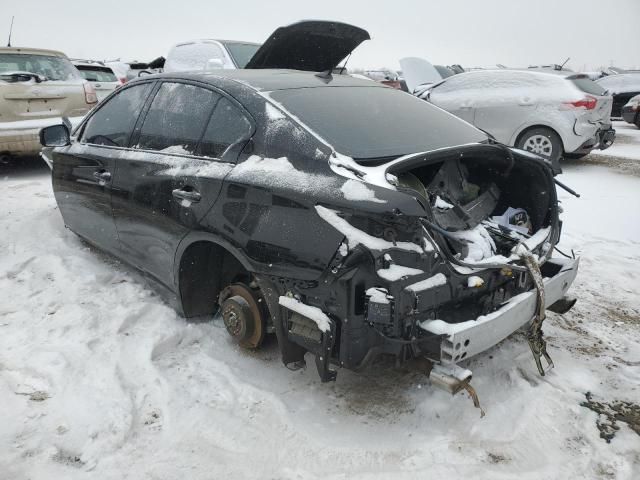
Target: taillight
column 122, row 80
column 89, row 93
column 587, row 102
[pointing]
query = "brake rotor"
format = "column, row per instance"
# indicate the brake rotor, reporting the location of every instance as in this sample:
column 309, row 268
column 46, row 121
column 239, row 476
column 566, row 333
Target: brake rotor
column 244, row 315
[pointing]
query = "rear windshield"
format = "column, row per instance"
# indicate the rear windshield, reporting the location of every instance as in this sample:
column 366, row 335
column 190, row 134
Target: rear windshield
column 375, row 122
column 587, row 85
column 241, row 52
column 50, row 67
column 97, row 74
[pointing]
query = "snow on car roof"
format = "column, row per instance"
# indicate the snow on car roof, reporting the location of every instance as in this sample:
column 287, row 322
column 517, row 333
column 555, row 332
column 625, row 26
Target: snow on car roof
column 275, row 79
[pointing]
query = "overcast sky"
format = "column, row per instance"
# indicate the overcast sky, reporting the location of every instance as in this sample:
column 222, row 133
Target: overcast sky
column 470, row 32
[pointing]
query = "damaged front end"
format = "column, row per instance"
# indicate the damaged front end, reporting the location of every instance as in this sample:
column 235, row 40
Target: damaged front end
column 446, row 284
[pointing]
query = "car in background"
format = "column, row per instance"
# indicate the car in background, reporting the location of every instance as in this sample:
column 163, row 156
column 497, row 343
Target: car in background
column 37, row 88
column 387, row 77
column 622, row 87
column 102, row 77
column 631, row 111
column 550, row 114
column 288, row 47
column 209, row 54
column 287, row 203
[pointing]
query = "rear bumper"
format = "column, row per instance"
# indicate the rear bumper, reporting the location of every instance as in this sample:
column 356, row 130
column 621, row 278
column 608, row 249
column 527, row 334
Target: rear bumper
column 602, row 140
column 464, row 340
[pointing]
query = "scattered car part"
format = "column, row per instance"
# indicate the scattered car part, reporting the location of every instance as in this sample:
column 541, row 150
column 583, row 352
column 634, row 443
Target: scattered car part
column 453, row 379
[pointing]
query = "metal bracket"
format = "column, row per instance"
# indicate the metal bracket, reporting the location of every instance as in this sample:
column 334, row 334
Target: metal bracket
column 537, row 343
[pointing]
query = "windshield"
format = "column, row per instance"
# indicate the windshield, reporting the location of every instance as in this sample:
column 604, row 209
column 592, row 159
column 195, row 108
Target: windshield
column 621, row 83
column 50, row 67
column 241, row 52
column 97, row 74
column 375, row 122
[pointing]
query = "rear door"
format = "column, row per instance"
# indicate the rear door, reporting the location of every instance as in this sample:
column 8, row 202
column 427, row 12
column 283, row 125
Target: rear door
column 173, row 173
column 83, row 172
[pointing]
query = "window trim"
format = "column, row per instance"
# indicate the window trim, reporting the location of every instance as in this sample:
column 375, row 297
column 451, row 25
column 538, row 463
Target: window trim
column 78, row 133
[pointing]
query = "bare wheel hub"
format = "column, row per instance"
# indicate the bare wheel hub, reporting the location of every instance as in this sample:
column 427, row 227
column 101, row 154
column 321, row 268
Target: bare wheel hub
column 243, row 314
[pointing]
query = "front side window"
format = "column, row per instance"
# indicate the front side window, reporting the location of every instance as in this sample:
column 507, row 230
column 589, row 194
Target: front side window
column 177, row 118
column 47, row 66
column 114, row 121
column 227, row 126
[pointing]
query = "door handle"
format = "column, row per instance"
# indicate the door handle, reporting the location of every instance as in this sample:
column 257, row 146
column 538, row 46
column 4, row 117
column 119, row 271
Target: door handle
column 102, row 175
column 191, row 195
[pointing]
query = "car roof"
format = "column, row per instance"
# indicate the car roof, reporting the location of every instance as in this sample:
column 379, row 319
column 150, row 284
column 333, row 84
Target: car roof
column 32, row 51
column 273, row 79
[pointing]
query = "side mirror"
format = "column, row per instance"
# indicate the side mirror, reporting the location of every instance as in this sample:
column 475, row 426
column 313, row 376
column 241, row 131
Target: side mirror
column 55, row 136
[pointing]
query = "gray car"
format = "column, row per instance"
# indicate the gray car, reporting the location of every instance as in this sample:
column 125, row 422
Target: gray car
column 551, row 114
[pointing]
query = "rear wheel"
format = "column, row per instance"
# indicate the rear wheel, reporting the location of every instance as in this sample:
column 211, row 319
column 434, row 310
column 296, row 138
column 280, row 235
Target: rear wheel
column 542, row 141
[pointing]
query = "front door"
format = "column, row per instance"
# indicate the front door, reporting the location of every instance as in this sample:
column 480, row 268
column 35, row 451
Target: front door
column 83, row 172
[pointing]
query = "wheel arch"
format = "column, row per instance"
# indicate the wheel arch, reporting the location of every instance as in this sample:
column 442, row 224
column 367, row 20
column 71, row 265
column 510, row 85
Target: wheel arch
column 204, row 265
column 525, row 128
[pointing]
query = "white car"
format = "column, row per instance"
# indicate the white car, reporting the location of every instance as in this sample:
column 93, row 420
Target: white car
column 102, row 77
column 209, row 54
column 550, row 114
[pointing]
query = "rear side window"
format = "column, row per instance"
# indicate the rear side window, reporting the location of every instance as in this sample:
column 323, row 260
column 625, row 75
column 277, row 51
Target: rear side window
column 113, row 122
column 587, row 85
column 227, row 126
column 177, row 118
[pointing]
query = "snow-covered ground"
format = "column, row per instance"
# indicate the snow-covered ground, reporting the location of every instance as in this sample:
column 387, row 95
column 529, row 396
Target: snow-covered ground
column 100, row 379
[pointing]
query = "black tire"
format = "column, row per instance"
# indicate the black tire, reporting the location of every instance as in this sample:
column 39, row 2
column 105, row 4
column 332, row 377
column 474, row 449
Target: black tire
column 533, row 139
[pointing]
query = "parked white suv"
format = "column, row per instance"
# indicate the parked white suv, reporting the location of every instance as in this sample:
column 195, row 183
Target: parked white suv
column 550, row 114
column 102, row 77
column 209, row 55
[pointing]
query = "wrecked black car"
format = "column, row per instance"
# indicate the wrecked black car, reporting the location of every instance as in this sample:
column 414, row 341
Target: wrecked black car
column 350, row 219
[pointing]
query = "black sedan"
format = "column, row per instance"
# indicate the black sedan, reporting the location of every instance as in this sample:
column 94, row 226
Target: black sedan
column 622, row 87
column 631, row 111
column 349, row 218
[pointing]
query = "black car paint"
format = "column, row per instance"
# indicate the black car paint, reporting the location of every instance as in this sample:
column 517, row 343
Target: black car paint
column 268, row 223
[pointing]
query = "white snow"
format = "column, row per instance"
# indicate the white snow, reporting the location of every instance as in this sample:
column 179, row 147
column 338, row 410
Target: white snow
column 474, row 281
column 437, row 280
column 256, row 163
column 396, row 272
column 356, row 237
column 378, row 295
column 358, row 191
column 442, row 204
column 479, row 243
column 313, row 313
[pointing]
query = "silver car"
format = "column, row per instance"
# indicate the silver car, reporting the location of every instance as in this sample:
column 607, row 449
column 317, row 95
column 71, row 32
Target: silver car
column 551, row 114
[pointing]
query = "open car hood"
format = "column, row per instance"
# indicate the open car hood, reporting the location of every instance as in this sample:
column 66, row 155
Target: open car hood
column 311, row 45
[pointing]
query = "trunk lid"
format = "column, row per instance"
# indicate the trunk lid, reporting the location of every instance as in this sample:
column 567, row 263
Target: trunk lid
column 311, row 45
